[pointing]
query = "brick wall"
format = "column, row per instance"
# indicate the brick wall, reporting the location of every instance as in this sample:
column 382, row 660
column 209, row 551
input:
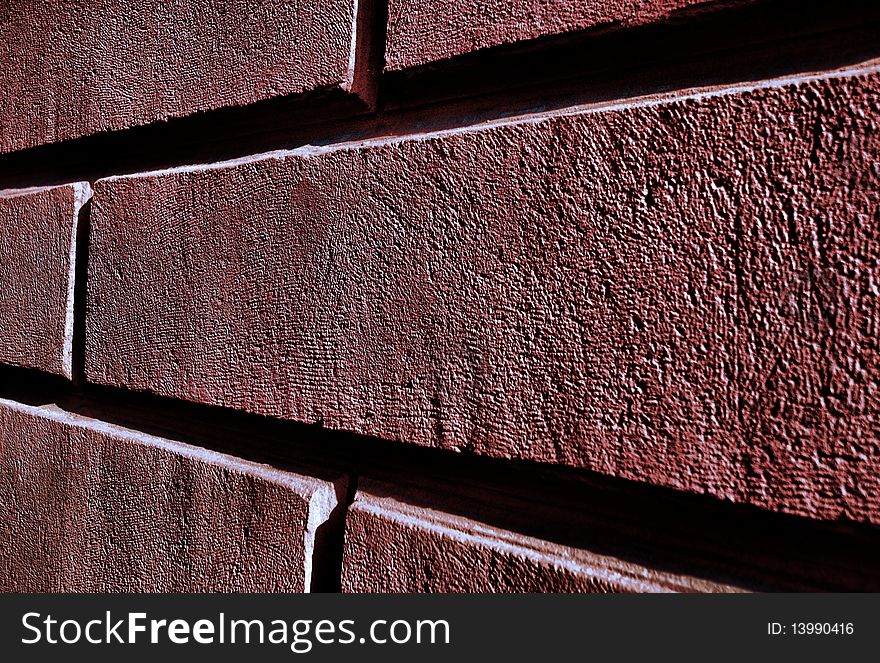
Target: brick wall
column 440, row 296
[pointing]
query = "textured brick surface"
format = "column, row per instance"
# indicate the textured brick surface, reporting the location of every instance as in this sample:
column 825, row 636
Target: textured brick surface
column 683, row 293
column 425, row 550
column 38, row 229
column 423, row 31
column 104, row 65
column 85, row 507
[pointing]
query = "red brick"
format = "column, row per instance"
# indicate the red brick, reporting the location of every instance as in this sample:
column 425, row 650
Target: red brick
column 424, row 31
column 89, row 507
column 99, row 66
column 37, row 261
column 391, row 546
column 682, row 293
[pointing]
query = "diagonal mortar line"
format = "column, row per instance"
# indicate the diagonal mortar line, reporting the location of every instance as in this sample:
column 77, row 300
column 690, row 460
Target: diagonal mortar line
column 865, row 69
column 722, row 49
column 653, row 526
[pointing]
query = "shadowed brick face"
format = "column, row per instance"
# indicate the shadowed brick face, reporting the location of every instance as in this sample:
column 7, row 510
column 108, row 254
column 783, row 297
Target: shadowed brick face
column 38, row 230
column 72, row 68
column 424, row 31
column 93, row 508
column 679, row 293
column 424, row 550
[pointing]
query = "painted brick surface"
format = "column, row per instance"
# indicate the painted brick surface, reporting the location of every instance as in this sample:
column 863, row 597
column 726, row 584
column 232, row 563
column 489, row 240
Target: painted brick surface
column 682, row 293
column 427, row 550
column 104, row 65
column 88, row 507
column 38, row 233
column 424, row 31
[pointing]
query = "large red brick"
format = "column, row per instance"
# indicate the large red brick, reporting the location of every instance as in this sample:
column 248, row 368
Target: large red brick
column 424, row 31
column 73, row 68
column 89, row 507
column 391, row 546
column 682, row 292
column 38, row 233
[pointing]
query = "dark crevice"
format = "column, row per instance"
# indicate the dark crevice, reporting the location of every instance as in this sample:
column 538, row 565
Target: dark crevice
column 369, row 50
column 32, row 387
column 202, row 137
column 657, row 527
column 330, row 541
column 706, row 49
column 81, row 270
column 756, row 41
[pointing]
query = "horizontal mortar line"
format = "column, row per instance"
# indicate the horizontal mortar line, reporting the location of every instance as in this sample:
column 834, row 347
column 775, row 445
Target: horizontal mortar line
column 270, row 127
column 308, row 150
column 657, row 527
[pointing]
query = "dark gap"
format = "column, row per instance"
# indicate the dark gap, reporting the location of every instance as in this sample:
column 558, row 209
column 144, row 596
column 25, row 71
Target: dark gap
column 202, row 137
column 369, row 50
column 330, row 541
column 657, row 527
column 696, row 47
column 33, row 387
column 81, row 270
column 700, row 49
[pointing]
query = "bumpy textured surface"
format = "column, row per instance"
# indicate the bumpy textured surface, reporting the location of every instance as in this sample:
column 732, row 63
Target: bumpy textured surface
column 423, row 550
column 86, row 507
column 424, row 31
column 681, row 293
column 111, row 64
column 37, row 262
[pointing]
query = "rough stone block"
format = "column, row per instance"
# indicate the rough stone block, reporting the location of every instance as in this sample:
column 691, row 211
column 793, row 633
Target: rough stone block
column 86, row 506
column 102, row 66
column 681, row 292
column 38, row 247
column 391, row 546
